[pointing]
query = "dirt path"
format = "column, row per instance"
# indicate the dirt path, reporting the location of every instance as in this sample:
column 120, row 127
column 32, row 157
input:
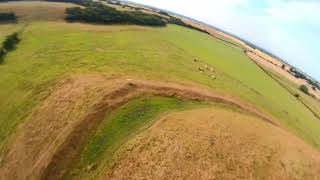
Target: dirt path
column 56, row 131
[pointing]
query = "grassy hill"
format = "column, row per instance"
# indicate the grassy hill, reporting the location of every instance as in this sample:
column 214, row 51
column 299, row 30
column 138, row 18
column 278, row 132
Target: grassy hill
column 53, row 53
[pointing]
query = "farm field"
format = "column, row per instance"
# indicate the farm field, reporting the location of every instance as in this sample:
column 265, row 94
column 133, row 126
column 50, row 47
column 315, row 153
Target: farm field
column 60, row 72
column 312, row 103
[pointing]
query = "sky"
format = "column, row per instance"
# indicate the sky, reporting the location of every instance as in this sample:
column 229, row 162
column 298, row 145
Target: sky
column 289, row 29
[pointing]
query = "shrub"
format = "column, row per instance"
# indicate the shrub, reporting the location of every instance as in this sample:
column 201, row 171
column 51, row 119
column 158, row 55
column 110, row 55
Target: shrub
column 297, row 95
column 304, row 89
column 10, row 42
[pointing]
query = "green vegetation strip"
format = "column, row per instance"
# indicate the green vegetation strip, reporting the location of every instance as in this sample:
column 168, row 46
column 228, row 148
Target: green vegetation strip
column 123, row 123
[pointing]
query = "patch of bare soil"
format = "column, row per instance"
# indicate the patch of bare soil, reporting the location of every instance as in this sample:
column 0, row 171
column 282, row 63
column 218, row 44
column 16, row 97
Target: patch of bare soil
column 214, row 143
column 46, row 145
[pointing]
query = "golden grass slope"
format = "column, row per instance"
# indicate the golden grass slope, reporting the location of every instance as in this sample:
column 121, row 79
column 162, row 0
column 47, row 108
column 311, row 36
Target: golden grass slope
column 215, row 143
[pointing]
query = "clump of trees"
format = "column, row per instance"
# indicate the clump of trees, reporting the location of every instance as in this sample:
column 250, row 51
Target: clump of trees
column 7, row 17
column 98, row 13
column 8, row 45
column 304, row 89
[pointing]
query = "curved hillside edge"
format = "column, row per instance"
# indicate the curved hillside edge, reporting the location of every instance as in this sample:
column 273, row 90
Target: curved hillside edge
column 58, row 127
column 214, row 143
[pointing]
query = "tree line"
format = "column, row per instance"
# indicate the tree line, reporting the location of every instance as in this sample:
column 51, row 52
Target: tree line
column 99, row 13
column 179, row 22
column 79, row 2
column 300, row 75
column 7, row 16
column 9, row 44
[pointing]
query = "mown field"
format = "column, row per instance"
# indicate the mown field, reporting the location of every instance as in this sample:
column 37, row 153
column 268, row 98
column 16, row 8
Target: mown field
column 52, row 50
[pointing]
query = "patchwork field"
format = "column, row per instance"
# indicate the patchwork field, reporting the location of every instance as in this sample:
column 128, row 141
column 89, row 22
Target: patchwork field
column 63, row 113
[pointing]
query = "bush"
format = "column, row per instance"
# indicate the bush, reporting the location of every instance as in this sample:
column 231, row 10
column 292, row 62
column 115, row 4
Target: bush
column 304, row 89
column 7, row 17
column 98, row 13
column 10, row 42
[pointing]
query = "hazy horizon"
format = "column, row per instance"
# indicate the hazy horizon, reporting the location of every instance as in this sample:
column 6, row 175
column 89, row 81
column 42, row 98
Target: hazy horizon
column 286, row 28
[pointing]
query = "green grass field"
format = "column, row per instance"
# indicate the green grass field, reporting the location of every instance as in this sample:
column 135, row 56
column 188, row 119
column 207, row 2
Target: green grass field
column 52, row 50
column 311, row 102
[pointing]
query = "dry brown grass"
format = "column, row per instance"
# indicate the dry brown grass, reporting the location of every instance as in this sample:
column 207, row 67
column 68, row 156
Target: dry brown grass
column 215, row 143
column 36, row 11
